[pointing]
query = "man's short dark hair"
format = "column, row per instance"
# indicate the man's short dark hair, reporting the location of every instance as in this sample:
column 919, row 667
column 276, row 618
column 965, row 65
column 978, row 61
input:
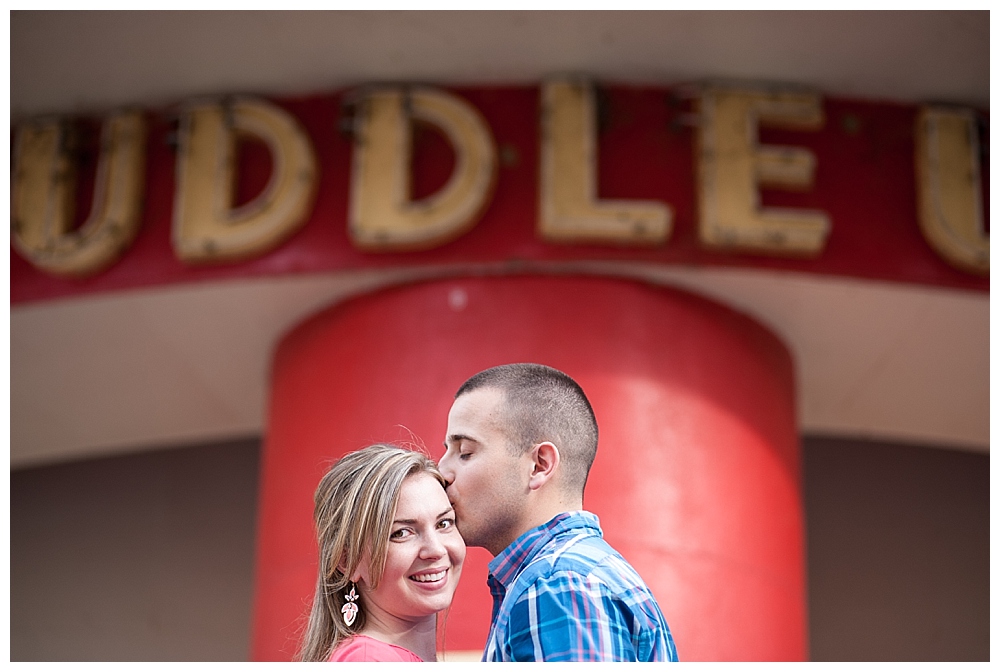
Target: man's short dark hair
column 544, row 404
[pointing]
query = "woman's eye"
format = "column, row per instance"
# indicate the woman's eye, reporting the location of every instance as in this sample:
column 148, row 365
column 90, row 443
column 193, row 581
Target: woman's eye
column 446, row 523
column 400, row 534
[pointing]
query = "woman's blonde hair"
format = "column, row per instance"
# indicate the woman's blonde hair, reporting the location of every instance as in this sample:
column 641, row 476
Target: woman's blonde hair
column 354, row 507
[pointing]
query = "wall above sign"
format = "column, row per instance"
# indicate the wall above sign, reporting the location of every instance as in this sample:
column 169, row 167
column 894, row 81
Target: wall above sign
column 403, row 176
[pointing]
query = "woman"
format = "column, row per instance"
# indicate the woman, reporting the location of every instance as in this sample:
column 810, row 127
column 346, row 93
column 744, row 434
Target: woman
column 390, row 558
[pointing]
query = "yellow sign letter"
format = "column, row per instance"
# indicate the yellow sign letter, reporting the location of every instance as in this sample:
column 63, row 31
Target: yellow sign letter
column 570, row 210
column 948, row 187
column 44, row 194
column 731, row 167
column 382, row 215
column 206, row 226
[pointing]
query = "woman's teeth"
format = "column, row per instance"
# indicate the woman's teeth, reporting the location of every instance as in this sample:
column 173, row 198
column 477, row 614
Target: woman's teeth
column 427, row 578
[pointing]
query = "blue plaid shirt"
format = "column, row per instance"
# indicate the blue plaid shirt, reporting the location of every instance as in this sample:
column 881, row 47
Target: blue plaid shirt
column 560, row 592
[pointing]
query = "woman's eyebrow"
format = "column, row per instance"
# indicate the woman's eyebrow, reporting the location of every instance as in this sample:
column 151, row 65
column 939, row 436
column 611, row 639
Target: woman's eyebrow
column 413, row 521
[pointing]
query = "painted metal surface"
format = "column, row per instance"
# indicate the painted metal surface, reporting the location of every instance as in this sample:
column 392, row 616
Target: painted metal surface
column 697, row 478
column 864, row 182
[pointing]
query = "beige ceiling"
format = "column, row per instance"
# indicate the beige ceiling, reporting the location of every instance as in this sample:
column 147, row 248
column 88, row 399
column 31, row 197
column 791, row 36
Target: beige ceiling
column 77, row 61
column 185, row 364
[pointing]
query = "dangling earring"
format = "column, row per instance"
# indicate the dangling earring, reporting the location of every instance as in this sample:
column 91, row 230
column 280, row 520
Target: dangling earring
column 350, row 609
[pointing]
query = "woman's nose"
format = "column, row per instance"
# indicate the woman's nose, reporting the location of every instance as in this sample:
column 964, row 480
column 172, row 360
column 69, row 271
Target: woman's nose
column 432, row 547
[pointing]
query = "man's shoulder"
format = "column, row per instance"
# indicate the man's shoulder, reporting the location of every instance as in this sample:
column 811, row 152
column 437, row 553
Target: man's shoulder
column 575, row 557
column 595, row 561
column 583, row 552
column 586, row 593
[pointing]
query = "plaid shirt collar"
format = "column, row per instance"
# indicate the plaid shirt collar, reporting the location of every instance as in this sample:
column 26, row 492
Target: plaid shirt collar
column 505, row 567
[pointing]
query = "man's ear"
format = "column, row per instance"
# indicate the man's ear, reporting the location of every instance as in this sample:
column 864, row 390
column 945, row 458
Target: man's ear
column 545, row 463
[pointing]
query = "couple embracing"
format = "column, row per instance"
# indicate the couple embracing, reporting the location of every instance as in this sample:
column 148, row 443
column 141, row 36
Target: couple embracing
column 392, row 529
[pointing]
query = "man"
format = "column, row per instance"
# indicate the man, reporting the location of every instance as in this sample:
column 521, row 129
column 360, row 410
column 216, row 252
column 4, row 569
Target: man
column 520, row 442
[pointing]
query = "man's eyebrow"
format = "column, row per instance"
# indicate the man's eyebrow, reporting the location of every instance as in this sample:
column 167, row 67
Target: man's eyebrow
column 458, row 438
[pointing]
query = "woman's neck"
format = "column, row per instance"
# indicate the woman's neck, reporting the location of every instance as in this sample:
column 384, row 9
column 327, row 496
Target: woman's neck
column 420, row 636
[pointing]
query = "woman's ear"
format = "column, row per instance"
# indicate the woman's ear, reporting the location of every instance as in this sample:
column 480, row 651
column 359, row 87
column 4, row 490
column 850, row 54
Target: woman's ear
column 545, row 463
column 355, row 576
column 359, row 575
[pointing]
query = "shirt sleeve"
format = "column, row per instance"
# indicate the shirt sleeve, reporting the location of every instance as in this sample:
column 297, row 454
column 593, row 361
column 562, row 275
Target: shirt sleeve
column 570, row 617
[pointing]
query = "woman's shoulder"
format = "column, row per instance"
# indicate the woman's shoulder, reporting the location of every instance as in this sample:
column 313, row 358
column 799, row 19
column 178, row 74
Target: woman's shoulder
column 362, row 648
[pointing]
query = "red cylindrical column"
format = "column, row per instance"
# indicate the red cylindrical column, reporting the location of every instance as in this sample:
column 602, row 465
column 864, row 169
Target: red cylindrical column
column 697, row 477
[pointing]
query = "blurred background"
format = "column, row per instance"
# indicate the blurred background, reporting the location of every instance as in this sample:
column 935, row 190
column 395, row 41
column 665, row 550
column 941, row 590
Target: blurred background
column 138, row 408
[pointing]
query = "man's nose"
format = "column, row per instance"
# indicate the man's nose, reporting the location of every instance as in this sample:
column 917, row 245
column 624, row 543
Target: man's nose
column 444, row 466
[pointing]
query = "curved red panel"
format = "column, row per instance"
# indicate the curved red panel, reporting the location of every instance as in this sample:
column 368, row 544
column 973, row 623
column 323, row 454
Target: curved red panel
column 697, row 476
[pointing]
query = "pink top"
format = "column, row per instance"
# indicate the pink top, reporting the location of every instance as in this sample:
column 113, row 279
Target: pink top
column 362, row 648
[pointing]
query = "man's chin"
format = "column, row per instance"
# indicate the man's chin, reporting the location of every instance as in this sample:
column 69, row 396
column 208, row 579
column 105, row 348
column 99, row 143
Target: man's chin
column 468, row 534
